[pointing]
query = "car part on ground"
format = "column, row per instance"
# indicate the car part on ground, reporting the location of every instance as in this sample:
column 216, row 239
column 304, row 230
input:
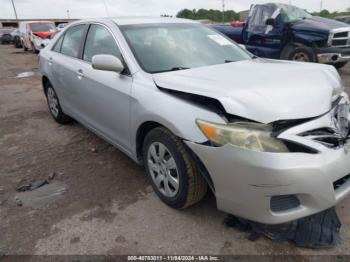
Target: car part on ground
column 321, row 230
column 203, row 106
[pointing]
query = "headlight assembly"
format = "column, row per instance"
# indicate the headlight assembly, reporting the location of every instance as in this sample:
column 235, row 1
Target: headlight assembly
column 252, row 136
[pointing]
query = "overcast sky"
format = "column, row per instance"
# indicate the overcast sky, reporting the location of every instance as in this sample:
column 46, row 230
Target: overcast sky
column 98, row 8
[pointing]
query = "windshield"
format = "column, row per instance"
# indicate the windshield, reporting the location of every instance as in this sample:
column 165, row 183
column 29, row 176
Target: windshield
column 42, row 27
column 169, row 47
column 292, row 13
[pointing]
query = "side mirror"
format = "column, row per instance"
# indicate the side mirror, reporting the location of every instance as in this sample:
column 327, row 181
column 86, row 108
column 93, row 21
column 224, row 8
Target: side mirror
column 271, row 22
column 107, row 63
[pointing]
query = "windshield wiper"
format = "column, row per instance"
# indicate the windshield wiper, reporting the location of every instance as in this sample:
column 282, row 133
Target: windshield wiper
column 178, row 68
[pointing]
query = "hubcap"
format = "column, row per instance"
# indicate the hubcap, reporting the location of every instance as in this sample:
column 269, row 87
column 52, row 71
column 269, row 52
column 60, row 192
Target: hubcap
column 163, row 169
column 53, row 101
column 300, row 56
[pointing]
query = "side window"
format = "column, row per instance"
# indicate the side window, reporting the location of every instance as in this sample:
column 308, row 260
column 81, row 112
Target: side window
column 72, row 40
column 99, row 41
column 58, row 45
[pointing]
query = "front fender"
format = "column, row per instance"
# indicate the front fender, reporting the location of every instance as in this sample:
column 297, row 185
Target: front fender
column 150, row 104
column 311, row 39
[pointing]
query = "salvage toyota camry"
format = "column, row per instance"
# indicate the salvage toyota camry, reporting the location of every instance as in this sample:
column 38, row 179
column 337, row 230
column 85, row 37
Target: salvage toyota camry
column 269, row 138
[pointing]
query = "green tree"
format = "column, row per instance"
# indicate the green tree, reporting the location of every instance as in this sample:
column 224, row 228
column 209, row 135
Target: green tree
column 213, row 15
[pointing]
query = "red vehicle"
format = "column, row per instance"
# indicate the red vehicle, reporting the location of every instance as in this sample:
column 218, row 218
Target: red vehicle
column 34, row 35
column 237, row 24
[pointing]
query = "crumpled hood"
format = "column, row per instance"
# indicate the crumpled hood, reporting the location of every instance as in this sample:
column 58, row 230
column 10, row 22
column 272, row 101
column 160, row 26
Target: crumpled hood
column 44, row 34
column 319, row 24
column 261, row 90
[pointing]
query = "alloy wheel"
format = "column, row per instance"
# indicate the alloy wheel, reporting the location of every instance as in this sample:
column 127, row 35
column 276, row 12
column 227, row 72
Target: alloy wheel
column 53, row 102
column 163, row 169
column 301, row 56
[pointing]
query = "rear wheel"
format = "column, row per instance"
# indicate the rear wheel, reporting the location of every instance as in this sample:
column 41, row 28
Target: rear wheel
column 298, row 53
column 173, row 173
column 54, row 105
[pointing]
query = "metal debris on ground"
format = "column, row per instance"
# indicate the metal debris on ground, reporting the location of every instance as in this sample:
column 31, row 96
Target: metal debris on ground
column 317, row 231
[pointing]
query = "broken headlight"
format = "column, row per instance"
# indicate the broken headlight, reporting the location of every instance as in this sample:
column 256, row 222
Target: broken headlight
column 252, row 136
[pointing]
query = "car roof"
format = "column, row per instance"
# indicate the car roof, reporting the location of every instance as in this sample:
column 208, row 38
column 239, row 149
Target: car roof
column 149, row 20
column 136, row 20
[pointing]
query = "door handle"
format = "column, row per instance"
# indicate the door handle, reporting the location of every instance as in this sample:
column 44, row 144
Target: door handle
column 80, row 74
column 50, row 61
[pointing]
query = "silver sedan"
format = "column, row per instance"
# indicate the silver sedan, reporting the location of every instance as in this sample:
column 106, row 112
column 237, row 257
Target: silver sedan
column 269, row 138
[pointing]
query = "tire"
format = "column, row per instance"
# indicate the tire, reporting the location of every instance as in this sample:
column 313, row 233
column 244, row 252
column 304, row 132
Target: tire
column 298, row 53
column 54, row 105
column 17, row 43
column 192, row 187
column 340, row 65
column 34, row 50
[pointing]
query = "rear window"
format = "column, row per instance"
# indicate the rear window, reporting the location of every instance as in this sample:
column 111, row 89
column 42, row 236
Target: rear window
column 42, row 27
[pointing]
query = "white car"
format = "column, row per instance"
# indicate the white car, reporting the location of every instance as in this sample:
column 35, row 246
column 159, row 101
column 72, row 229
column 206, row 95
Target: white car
column 269, row 138
column 36, row 34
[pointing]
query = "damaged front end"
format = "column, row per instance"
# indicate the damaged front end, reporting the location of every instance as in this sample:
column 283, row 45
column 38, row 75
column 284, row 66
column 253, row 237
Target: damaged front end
column 257, row 167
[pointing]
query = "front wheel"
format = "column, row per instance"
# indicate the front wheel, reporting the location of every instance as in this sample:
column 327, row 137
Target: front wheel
column 173, row 173
column 298, row 53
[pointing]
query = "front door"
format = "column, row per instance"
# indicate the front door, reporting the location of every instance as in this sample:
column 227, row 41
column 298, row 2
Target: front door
column 103, row 96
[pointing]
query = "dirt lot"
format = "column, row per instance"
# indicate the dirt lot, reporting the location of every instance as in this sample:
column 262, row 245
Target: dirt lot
column 108, row 206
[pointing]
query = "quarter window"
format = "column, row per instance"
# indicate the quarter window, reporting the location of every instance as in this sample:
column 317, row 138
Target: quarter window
column 72, row 40
column 100, row 41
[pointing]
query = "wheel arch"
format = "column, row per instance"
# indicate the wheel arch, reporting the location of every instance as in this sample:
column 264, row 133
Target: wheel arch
column 45, row 80
column 148, row 126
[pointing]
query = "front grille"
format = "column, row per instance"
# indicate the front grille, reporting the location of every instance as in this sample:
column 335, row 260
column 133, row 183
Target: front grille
column 326, row 136
column 341, row 39
column 342, row 34
column 337, row 184
column 284, row 203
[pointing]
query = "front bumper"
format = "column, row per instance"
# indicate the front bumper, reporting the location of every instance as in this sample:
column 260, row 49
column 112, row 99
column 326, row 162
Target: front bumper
column 245, row 180
column 333, row 55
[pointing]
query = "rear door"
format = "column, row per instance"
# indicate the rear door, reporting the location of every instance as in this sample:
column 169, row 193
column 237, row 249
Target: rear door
column 104, row 97
column 64, row 61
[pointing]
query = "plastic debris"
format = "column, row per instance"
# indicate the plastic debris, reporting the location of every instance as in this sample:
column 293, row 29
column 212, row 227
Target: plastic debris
column 24, row 74
column 42, row 196
column 318, row 231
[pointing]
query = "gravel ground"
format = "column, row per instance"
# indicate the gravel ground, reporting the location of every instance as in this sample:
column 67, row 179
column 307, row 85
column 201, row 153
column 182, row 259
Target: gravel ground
column 108, row 206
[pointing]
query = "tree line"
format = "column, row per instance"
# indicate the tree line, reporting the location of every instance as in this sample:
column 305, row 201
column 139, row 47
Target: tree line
column 231, row 15
column 212, row 15
column 325, row 13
